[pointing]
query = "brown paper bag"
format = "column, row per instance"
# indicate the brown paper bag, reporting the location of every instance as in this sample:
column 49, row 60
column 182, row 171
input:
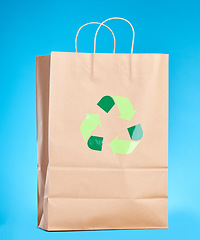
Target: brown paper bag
column 102, row 134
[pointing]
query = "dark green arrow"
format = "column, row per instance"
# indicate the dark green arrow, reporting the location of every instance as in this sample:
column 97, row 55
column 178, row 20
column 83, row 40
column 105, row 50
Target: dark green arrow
column 135, row 132
column 106, row 103
column 95, row 143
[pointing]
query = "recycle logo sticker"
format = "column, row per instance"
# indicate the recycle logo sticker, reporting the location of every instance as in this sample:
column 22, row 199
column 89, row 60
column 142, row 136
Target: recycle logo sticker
column 118, row 146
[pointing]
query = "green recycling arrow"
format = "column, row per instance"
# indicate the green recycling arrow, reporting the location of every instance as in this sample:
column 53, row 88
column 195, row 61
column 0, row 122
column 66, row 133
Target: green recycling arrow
column 135, row 132
column 106, row 103
column 89, row 124
column 126, row 112
column 122, row 146
column 125, row 107
column 95, row 143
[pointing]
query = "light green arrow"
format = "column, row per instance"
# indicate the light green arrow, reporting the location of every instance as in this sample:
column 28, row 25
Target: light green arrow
column 125, row 107
column 89, row 124
column 122, row 146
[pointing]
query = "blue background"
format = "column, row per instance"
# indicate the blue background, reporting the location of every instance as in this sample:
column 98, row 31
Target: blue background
column 33, row 28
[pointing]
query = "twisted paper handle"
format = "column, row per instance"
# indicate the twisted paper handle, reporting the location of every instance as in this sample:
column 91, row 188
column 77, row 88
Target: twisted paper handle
column 101, row 24
column 112, row 19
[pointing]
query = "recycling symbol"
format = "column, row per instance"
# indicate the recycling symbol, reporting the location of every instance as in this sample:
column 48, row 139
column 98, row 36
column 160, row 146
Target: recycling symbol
column 118, row 146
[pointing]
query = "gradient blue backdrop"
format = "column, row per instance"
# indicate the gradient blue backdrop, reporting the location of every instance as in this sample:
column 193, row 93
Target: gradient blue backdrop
column 33, row 28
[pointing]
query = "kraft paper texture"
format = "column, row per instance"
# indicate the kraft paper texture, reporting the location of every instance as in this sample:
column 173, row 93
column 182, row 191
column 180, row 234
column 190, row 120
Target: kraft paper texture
column 83, row 189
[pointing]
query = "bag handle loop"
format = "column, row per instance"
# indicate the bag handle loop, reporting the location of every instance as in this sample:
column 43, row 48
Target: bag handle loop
column 101, row 24
column 109, row 20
